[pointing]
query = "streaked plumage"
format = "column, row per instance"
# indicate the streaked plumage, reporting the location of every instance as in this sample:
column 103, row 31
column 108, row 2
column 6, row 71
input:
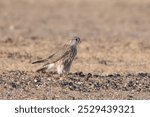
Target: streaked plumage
column 61, row 59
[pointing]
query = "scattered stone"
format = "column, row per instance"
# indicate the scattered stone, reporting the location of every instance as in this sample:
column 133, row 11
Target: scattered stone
column 27, row 83
column 81, row 74
column 95, row 75
column 142, row 74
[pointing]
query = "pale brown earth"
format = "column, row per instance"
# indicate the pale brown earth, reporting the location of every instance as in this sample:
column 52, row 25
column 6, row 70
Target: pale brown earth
column 113, row 60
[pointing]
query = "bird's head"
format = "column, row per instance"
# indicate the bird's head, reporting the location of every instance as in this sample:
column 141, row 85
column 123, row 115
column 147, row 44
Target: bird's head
column 75, row 41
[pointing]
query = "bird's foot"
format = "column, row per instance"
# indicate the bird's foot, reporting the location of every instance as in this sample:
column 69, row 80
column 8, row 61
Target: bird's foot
column 63, row 76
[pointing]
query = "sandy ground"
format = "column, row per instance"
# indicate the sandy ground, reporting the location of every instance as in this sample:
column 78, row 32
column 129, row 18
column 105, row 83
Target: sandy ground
column 113, row 60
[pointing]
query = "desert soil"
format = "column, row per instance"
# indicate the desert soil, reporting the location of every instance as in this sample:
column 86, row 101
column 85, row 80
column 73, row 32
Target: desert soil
column 113, row 60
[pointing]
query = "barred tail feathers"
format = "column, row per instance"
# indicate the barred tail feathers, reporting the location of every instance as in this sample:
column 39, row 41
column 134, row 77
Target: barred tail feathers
column 43, row 69
column 39, row 61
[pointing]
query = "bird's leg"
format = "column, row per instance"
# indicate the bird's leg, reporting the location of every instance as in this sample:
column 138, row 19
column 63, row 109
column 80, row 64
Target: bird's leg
column 63, row 71
column 61, row 76
column 65, row 74
column 60, row 69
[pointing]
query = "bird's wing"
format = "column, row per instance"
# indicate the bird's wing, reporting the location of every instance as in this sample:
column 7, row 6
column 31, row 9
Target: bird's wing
column 65, row 54
column 59, row 54
column 39, row 61
column 53, row 57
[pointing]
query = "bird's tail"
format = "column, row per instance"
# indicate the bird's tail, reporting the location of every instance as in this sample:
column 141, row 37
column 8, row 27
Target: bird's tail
column 43, row 69
column 39, row 61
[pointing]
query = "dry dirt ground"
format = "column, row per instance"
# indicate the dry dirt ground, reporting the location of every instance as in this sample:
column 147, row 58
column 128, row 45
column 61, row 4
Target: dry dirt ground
column 113, row 59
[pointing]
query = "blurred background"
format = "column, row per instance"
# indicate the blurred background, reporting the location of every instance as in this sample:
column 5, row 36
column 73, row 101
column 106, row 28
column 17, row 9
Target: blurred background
column 115, row 34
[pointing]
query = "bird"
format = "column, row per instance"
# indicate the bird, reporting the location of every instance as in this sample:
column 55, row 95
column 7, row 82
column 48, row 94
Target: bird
column 61, row 59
